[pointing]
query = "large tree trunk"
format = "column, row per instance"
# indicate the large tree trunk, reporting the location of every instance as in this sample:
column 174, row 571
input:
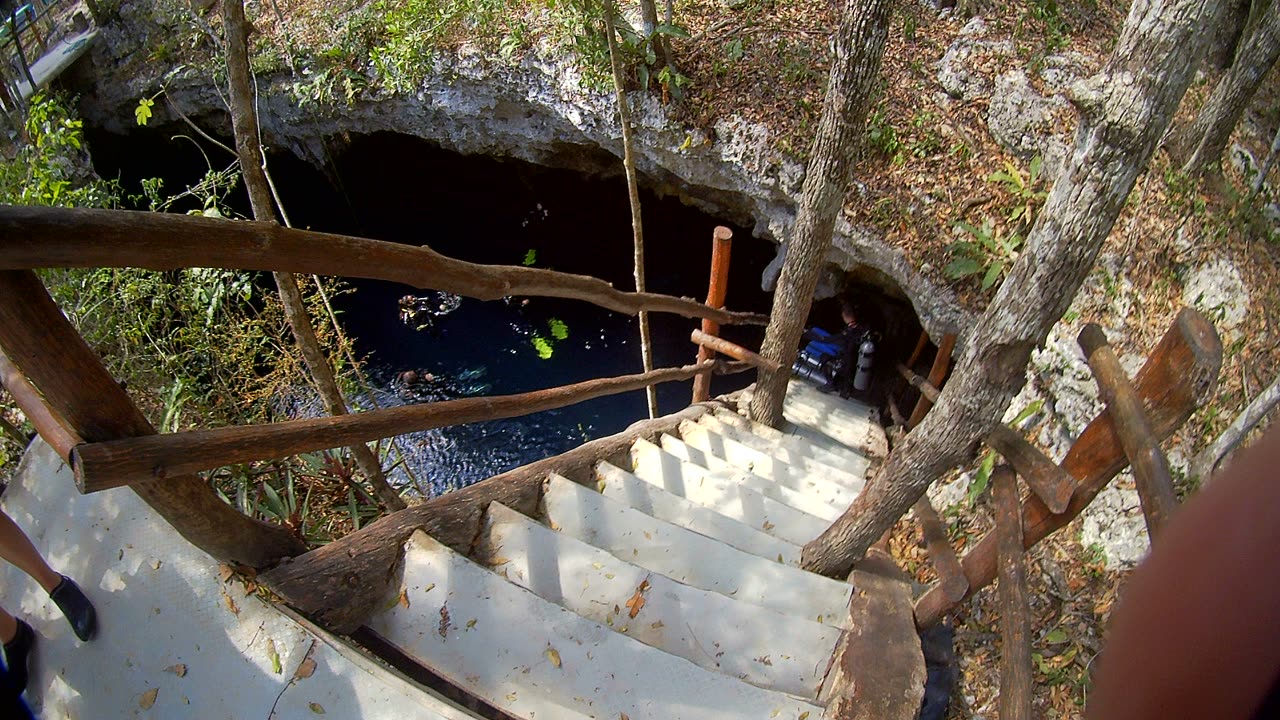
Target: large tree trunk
column 859, row 47
column 1202, row 143
column 1228, row 29
column 244, row 121
column 1125, row 109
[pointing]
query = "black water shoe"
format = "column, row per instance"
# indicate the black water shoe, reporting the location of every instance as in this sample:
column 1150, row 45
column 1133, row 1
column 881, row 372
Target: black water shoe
column 15, row 656
column 76, row 608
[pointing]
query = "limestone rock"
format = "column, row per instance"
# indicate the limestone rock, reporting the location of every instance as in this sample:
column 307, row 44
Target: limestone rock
column 1026, row 122
column 960, row 73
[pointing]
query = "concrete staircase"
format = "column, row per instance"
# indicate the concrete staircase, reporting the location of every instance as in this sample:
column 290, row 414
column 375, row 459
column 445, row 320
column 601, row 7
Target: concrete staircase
column 666, row 588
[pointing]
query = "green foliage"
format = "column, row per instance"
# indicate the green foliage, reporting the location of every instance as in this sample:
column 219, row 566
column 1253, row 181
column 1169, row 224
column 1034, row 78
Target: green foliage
column 641, row 52
column 988, row 254
column 1025, row 189
column 925, row 140
column 881, row 135
column 981, row 478
column 1047, row 15
column 530, row 258
column 51, row 167
column 143, row 111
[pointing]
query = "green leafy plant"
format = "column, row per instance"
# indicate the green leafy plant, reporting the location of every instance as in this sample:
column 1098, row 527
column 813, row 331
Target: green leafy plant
column 882, row 137
column 1024, row 188
column 988, row 254
column 642, row 52
column 542, row 346
column 530, row 257
column 143, row 112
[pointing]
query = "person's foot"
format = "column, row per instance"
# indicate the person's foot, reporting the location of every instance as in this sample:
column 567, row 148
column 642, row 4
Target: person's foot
column 76, row 608
column 16, row 652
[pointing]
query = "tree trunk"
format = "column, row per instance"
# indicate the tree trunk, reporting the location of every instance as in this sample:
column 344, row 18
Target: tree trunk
column 244, row 119
column 1228, row 29
column 1202, row 143
column 633, row 192
column 649, row 25
column 1204, row 464
column 1125, row 109
column 859, row 47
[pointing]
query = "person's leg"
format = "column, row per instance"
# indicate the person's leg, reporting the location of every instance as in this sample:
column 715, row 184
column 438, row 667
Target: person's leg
column 18, row 640
column 17, row 549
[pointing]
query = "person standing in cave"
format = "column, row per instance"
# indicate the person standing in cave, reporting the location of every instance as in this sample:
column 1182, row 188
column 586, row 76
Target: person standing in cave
column 855, row 332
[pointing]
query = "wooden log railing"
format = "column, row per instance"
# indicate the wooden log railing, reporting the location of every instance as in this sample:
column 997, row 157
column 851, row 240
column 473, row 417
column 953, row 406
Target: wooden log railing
column 66, row 390
column 1150, row 466
column 737, row 352
column 97, row 429
column 928, row 390
column 950, row 574
column 1178, row 377
column 36, row 237
column 103, row 465
column 717, row 286
column 1043, row 476
column 938, row 373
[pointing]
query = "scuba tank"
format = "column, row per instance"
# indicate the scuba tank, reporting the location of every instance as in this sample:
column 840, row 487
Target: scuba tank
column 862, row 374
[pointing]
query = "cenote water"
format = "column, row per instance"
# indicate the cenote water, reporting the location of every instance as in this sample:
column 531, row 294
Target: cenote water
column 396, row 188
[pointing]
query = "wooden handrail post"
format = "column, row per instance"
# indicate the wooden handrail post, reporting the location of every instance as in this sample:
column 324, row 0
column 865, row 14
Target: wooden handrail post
column 1015, row 620
column 721, row 245
column 938, row 373
column 1150, row 466
column 43, row 347
column 919, row 349
column 1180, row 375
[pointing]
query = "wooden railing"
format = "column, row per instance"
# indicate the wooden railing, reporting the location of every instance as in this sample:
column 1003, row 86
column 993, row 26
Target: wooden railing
column 1177, row 378
column 92, row 423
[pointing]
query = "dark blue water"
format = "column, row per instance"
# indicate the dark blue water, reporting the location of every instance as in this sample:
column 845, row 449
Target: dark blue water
column 397, row 188
column 507, row 212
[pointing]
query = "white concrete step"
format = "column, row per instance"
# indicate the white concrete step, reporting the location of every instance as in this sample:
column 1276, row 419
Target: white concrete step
column 725, row 495
column 620, row 485
column 796, row 499
column 848, row 474
column 825, row 450
column 798, row 389
column 690, row 558
column 766, row 466
column 849, row 422
column 756, row 645
column 539, row 661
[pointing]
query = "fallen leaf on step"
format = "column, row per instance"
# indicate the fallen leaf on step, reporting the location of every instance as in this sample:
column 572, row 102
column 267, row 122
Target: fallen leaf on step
column 471, row 623
column 803, row 715
column 499, row 561
column 180, row 670
column 148, row 698
column 231, row 603
column 316, row 708
column 623, row 716
column 429, row 588
column 305, row 670
column 768, row 526
column 637, row 601
column 444, row 621
column 404, row 598
column 274, row 656
column 224, row 571
column 553, row 655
